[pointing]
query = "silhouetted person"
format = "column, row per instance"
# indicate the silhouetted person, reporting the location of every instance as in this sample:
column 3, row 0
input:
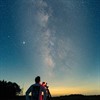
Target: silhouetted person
column 48, row 94
column 36, row 90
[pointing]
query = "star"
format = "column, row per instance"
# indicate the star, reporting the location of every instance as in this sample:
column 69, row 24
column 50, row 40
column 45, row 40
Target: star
column 23, row 42
column 8, row 36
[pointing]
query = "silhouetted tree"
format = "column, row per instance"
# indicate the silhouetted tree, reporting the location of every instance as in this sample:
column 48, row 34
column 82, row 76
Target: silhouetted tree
column 9, row 89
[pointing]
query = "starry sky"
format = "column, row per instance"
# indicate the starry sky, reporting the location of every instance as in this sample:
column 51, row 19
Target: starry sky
column 58, row 40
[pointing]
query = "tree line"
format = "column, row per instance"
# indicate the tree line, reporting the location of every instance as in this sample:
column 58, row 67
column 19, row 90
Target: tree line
column 9, row 89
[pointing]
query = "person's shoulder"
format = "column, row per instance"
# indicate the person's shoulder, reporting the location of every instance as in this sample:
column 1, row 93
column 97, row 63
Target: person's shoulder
column 32, row 85
column 36, row 84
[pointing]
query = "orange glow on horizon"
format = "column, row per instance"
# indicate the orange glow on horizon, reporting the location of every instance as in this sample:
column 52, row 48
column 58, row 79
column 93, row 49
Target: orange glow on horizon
column 67, row 91
column 60, row 91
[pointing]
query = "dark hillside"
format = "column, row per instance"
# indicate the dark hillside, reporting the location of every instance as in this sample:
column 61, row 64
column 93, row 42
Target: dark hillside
column 70, row 97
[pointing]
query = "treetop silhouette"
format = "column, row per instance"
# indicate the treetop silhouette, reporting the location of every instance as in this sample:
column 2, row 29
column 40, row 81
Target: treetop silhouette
column 9, row 89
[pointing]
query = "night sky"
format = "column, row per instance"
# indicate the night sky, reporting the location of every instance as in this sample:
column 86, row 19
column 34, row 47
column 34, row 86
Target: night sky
column 56, row 39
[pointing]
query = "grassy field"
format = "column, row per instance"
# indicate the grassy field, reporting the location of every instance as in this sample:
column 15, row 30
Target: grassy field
column 70, row 97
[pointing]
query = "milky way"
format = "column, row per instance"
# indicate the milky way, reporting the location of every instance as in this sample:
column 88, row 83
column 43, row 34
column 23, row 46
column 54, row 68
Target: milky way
column 52, row 48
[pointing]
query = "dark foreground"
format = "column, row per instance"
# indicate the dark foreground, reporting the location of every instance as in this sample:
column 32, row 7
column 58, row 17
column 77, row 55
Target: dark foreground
column 70, row 97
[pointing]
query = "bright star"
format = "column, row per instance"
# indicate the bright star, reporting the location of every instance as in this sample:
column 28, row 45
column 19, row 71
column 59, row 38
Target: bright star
column 24, row 42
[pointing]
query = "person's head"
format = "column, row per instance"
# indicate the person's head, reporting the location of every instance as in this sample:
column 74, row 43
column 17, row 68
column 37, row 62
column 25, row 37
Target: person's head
column 43, row 83
column 37, row 79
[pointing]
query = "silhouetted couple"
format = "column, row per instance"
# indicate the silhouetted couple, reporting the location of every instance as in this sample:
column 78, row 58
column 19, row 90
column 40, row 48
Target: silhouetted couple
column 38, row 91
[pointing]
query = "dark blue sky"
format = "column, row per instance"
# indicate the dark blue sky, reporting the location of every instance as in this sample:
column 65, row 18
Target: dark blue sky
column 56, row 39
